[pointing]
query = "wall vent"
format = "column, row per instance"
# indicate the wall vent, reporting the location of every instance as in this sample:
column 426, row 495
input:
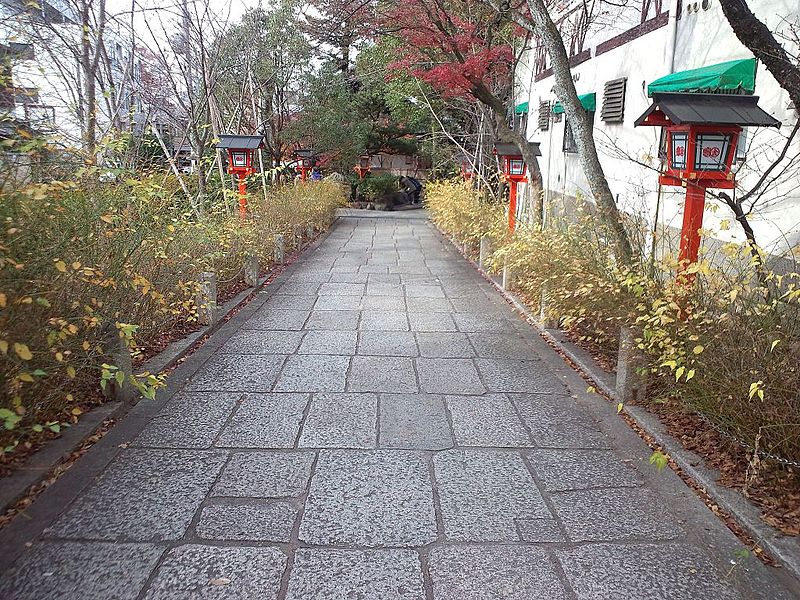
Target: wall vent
column 544, row 115
column 614, row 101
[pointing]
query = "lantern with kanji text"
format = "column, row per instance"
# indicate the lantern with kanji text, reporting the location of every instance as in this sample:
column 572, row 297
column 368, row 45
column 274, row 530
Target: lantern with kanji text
column 702, row 132
column 306, row 161
column 240, row 151
column 514, row 171
column 363, row 166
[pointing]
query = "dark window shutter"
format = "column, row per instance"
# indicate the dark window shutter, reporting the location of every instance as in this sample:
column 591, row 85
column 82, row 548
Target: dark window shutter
column 544, row 115
column 614, row 101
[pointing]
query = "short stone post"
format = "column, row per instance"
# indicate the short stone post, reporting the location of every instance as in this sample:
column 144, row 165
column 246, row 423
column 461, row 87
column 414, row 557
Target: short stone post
column 631, row 385
column 485, row 251
column 310, row 232
column 508, row 278
column 546, row 320
column 251, row 270
column 298, row 237
column 280, row 250
column 119, row 355
column 207, row 298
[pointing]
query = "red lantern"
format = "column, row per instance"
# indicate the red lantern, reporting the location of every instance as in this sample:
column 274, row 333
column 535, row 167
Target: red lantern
column 364, row 165
column 514, row 171
column 306, row 162
column 702, row 133
column 241, row 150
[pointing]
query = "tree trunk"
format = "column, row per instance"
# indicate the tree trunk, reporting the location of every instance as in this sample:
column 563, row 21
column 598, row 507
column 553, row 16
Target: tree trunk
column 508, row 135
column 581, row 125
column 760, row 41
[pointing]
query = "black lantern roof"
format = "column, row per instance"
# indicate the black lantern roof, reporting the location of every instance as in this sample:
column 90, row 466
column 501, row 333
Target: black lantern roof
column 503, row 149
column 710, row 109
column 241, row 142
column 304, row 152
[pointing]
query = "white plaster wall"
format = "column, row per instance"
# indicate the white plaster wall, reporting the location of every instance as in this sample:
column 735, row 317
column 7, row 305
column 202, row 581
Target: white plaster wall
column 703, row 38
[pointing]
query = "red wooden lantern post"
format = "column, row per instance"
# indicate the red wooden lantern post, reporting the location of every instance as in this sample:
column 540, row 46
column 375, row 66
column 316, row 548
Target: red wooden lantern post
column 702, row 133
column 241, row 150
column 306, row 162
column 515, row 172
column 363, row 166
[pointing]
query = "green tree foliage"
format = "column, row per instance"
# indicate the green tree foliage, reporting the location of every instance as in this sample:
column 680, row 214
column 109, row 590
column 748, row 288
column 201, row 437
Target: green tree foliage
column 373, row 110
column 263, row 63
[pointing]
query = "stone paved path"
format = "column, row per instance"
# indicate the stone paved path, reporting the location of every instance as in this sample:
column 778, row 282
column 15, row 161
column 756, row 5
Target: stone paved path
column 377, row 425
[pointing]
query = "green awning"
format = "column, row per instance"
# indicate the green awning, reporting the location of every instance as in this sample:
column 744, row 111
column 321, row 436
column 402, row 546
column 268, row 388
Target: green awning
column 589, row 102
column 729, row 76
column 521, row 109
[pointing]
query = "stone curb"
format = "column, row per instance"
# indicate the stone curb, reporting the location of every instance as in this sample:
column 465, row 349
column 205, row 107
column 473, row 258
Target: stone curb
column 786, row 549
column 44, row 461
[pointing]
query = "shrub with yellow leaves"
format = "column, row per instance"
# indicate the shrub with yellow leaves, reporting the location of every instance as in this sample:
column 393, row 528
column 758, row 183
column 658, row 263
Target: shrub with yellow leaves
column 727, row 348
column 85, row 266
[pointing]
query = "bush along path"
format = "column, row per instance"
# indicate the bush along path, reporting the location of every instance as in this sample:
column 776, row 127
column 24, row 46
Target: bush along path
column 377, row 424
column 100, row 274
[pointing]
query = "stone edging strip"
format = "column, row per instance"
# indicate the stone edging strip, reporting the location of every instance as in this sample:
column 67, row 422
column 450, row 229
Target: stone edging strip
column 44, row 461
column 785, row 549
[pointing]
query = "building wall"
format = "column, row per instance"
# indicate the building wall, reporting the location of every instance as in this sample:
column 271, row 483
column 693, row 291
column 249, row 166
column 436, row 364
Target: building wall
column 53, row 72
column 703, row 37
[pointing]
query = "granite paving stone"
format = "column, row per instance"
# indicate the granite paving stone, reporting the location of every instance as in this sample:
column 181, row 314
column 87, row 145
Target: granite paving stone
column 265, row 475
column 373, row 278
column 382, row 374
column 66, row 570
column 557, row 422
column 385, row 303
column 488, row 421
column 324, row 574
column 238, row 373
column 268, row 318
column 312, row 274
column 483, row 492
column 189, row 420
column 561, row 470
column 429, row 305
column 502, row 345
column 421, row 290
column 518, row 375
column 265, row 421
column 380, row 288
column 342, row 289
column 431, row 321
column 444, row 345
column 475, row 322
column 298, row 287
column 370, row 498
column 494, row 573
column 614, row 514
column 387, row 343
column 338, row 303
column 145, row 495
column 341, row 421
column 349, row 277
column 644, row 572
column 313, row 373
column 287, row 302
column 267, row 521
column 253, row 341
column 197, row 572
column 333, row 320
column 537, row 531
column 383, row 320
column 449, row 376
column 414, row 421
column 329, row 342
